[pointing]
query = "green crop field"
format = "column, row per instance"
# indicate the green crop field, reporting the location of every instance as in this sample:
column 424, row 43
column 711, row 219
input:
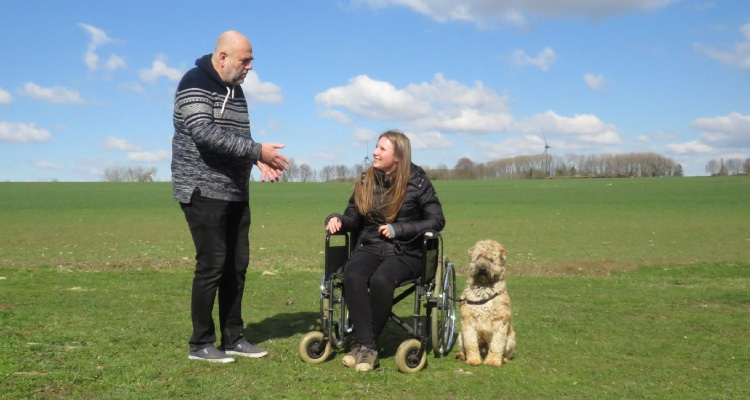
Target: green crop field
column 621, row 288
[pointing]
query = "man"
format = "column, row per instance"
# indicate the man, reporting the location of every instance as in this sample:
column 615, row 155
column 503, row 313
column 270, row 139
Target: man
column 212, row 155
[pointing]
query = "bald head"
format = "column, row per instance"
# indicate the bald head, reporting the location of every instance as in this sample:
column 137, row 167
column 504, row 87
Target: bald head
column 232, row 57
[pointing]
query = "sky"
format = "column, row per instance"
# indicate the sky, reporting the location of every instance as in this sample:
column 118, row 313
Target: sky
column 89, row 85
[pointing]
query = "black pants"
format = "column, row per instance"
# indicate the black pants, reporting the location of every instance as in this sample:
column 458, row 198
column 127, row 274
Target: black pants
column 369, row 310
column 220, row 233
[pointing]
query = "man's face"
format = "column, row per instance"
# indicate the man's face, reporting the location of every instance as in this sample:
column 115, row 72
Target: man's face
column 236, row 64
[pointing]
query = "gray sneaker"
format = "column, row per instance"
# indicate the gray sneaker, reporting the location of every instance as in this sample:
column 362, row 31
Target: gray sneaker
column 211, row 354
column 245, row 349
column 352, row 358
column 368, row 360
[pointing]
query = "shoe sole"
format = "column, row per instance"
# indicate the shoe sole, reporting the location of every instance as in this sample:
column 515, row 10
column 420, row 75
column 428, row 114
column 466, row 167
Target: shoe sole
column 365, row 367
column 349, row 361
column 215, row 360
column 250, row 355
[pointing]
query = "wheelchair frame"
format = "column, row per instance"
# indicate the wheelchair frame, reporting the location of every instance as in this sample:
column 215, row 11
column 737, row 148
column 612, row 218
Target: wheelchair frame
column 434, row 290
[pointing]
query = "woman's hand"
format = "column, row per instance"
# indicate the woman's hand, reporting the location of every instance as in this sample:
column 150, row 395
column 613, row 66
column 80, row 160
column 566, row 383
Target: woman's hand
column 385, row 231
column 334, row 225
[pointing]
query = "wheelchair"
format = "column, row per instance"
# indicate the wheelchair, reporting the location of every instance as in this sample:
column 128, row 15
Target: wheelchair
column 431, row 329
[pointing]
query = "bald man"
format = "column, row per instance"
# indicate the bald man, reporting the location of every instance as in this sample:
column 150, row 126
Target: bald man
column 213, row 153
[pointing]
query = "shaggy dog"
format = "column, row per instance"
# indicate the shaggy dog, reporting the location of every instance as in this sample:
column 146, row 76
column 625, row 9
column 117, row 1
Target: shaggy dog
column 486, row 328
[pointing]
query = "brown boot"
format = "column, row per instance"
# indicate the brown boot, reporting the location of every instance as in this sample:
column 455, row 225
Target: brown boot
column 368, row 360
column 352, row 358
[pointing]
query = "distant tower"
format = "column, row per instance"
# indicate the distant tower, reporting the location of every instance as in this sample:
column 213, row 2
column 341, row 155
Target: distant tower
column 546, row 156
column 366, row 162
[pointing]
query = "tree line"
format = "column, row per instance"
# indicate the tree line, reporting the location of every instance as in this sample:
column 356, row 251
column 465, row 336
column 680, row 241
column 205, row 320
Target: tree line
column 731, row 166
column 519, row 167
column 129, row 174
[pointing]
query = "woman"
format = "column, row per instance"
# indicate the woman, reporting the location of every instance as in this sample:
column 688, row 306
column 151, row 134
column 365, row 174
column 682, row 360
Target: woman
column 392, row 205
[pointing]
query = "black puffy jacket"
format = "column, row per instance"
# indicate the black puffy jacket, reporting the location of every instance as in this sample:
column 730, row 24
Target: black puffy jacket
column 421, row 211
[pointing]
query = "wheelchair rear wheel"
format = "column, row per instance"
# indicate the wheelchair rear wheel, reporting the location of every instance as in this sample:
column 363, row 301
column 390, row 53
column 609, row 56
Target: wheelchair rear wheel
column 443, row 318
column 407, row 357
column 311, row 348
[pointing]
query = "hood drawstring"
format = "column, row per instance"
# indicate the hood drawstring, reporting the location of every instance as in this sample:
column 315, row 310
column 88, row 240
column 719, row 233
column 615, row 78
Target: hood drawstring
column 230, row 91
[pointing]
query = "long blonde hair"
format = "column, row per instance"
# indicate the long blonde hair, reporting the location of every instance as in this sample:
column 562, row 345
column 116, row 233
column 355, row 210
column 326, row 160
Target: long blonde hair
column 364, row 189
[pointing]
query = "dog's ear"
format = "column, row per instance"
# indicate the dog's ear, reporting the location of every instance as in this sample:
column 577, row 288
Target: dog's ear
column 503, row 256
column 471, row 250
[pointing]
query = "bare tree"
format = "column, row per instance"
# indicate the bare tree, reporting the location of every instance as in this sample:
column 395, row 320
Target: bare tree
column 464, row 169
column 734, row 166
column 306, row 174
column 342, row 172
column 712, row 167
column 327, row 173
column 292, row 173
column 677, row 172
column 129, row 174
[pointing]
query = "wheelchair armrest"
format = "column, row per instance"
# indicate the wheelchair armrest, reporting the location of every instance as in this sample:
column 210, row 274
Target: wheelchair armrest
column 432, row 254
column 336, row 254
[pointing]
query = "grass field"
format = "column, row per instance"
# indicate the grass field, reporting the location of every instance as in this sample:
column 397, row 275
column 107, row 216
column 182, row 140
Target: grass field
column 622, row 288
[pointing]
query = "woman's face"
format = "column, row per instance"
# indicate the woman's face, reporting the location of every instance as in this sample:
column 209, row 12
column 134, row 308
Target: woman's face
column 385, row 159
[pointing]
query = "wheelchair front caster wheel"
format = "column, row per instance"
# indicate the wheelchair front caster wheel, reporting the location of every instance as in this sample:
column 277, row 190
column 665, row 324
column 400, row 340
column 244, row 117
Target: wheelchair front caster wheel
column 311, row 348
column 407, row 357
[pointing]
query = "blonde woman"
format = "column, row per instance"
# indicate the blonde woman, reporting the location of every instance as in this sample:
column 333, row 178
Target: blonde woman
column 392, row 205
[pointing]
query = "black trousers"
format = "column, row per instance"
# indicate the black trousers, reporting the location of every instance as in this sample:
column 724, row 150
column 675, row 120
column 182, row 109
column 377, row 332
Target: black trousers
column 220, row 233
column 369, row 309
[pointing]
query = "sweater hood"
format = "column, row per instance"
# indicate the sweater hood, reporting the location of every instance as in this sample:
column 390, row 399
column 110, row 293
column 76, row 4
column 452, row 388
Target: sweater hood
column 205, row 64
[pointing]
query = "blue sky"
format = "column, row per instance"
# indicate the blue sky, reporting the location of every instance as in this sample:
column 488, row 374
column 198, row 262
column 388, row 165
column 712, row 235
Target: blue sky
column 87, row 85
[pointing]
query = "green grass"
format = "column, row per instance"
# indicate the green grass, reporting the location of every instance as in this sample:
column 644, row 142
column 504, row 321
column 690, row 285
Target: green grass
column 95, row 280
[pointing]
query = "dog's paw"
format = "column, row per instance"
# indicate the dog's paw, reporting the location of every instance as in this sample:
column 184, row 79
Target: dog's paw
column 473, row 360
column 494, row 361
column 460, row 355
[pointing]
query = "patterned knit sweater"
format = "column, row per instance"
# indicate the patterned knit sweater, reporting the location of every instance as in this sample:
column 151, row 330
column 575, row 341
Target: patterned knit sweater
column 212, row 148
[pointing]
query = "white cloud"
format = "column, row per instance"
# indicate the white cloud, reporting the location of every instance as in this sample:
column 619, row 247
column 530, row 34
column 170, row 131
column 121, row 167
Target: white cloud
column 98, row 38
column 690, row 147
column 261, row 92
column 5, row 97
column 364, row 135
column 379, row 100
column 47, row 165
column 511, row 147
column 150, row 156
column 595, row 82
column 484, row 13
column 438, row 105
column 115, row 63
column 21, row 133
column 337, row 116
column 134, row 152
column 132, row 87
column 160, row 69
column 55, row 94
column 113, row 143
column 444, row 91
column 731, row 130
column 584, row 127
column 428, row 141
column 466, row 120
column 739, row 58
column 544, row 60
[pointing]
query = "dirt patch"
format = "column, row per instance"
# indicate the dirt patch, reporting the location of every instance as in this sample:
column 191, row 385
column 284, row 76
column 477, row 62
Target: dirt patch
column 571, row 268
